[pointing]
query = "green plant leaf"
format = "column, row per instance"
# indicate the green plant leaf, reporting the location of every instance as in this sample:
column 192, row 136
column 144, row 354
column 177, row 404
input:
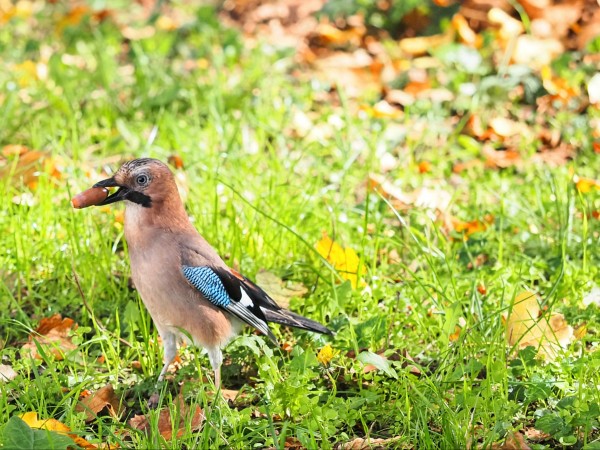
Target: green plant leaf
column 379, row 362
column 18, row 435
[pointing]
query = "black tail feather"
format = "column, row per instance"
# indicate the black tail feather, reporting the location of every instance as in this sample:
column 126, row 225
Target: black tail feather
column 292, row 319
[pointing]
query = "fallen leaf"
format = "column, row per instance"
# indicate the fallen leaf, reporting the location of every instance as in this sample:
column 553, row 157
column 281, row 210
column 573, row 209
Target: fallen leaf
column 229, row 394
column 383, row 110
column 7, row 373
column 504, row 127
column 424, row 167
column 454, row 336
column 103, row 398
column 31, row 419
column 427, row 198
column 25, row 166
column 465, row 33
column 369, row 443
column 176, row 161
column 421, row 45
column 580, row 332
column 534, row 434
column 559, row 16
column 526, row 326
column 592, row 297
column 54, row 334
column 514, row 441
column 536, row 52
column 190, row 414
column 279, row 290
column 585, row 185
column 593, row 89
column 343, row 259
column 500, row 158
column 472, row 227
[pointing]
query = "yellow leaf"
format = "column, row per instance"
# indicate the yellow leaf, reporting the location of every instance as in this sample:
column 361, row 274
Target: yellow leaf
column 344, row 260
column 31, row 419
column 525, row 326
column 326, row 354
column 585, row 185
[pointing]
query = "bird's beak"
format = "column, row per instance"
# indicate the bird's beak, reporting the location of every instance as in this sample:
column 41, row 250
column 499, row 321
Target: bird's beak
column 118, row 196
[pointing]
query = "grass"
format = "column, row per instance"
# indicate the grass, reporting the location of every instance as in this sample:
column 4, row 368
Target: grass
column 263, row 193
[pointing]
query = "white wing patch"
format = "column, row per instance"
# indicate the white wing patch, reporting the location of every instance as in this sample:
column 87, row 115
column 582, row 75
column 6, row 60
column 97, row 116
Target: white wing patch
column 246, row 300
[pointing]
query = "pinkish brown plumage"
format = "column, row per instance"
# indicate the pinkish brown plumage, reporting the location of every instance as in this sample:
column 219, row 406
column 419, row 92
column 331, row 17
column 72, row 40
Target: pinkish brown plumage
column 185, row 285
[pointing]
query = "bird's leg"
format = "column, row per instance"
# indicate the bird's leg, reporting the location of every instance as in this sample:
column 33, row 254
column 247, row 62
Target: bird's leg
column 218, row 378
column 216, row 359
column 169, row 351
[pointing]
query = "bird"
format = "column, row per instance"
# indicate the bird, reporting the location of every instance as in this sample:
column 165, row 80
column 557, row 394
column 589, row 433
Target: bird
column 189, row 291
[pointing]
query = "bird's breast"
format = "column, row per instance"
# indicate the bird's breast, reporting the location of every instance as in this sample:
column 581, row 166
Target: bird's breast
column 173, row 303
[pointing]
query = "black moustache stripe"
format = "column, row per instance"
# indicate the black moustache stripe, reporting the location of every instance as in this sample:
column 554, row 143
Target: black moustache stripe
column 139, row 198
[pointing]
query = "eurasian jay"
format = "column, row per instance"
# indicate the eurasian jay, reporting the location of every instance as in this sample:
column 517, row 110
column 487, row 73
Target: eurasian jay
column 187, row 288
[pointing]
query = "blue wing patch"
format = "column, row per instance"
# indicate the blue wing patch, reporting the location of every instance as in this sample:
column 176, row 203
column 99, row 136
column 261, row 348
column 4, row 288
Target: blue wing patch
column 209, row 284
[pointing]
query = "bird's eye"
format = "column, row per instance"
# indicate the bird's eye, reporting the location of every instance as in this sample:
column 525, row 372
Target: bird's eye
column 142, row 180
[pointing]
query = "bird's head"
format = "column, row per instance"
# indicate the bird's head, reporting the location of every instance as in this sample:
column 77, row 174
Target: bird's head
column 144, row 181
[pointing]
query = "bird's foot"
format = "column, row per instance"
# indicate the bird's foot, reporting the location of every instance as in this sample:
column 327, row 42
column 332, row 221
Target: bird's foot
column 153, row 401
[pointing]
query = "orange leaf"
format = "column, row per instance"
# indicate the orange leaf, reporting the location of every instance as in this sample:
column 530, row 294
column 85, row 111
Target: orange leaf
column 454, row 336
column 424, row 167
column 481, row 289
column 194, row 415
column 53, row 333
column 465, row 32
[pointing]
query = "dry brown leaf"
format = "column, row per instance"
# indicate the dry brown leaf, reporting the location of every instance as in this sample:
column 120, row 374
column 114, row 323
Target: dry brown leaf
column 279, row 290
column 368, row 444
column 230, row 394
column 454, row 336
column 514, row 441
column 500, row 158
column 473, row 226
column 354, row 72
column 465, row 33
column 526, row 326
column 536, row 435
column 53, row 333
column 509, row 26
column 426, row 198
column 559, row 17
column 103, row 398
column 24, row 165
column 383, row 110
column 187, row 414
column 504, row 127
column 399, row 97
column 421, row 45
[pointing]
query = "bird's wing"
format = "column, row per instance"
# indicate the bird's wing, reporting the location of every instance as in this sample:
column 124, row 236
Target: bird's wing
column 225, row 290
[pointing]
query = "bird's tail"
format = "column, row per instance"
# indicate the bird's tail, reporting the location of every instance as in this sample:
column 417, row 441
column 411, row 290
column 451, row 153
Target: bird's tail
column 289, row 318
